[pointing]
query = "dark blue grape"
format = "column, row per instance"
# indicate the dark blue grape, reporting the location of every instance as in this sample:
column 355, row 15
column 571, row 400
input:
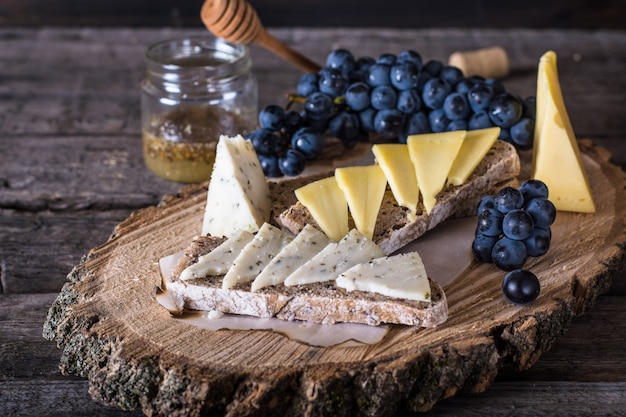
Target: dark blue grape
column 417, row 123
column 433, row 67
column 464, row 86
column 517, row 224
column 496, row 85
column 358, row 96
column 387, row 59
column 308, row 141
column 269, row 164
column 344, row 125
column 505, row 110
column 489, row 222
column 455, row 106
column 435, row 92
column 357, row 76
column 438, row 120
column 538, row 243
column 533, row 189
column 383, row 97
column 521, row 287
column 522, row 133
column 458, row 124
column 389, row 123
column 409, row 101
column 341, row 59
column 507, row 199
column 307, row 85
column 542, row 211
column 292, row 162
column 410, row 56
column 404, row 75
column 265, row 141
column 530, row 107
column 480, row 120
column 366, row 119
column 422, row 78
column 482, row 247
column 293, row 121
column 272, row 117
column 509, row 254
column 378, row 74
column 479, row 97
column 318, row 106
column 505, row 135
column 332, row 82
column 364, row 63
column 487, row 202
column 451, row 75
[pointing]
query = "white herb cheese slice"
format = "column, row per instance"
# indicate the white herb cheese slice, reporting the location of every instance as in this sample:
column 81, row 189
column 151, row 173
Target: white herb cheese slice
column 399, row 276
column 220, row 259
column 267, row 243
column 303, row 247
column 335, row 258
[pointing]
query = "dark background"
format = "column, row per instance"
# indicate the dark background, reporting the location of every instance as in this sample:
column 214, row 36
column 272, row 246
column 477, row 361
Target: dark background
column 575, row 14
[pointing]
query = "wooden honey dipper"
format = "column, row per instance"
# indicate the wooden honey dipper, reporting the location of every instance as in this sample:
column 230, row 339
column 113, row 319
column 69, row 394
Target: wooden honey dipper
column 236, row 21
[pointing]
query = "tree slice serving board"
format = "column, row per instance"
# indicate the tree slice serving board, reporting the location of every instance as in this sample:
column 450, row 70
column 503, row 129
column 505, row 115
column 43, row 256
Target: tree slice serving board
column 135, row 354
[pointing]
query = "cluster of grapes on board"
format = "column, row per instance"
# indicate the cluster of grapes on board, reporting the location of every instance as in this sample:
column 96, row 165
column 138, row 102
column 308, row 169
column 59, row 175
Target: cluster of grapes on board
column 391, row 97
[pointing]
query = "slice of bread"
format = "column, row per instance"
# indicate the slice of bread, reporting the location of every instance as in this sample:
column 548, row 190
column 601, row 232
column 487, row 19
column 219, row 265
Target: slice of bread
column 319, row 302
column 394, row 230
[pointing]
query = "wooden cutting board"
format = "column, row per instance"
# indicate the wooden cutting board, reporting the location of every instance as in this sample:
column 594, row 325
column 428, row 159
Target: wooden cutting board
column 135, row 354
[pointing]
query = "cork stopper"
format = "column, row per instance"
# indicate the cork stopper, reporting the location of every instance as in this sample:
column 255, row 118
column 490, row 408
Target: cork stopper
column 490, row 62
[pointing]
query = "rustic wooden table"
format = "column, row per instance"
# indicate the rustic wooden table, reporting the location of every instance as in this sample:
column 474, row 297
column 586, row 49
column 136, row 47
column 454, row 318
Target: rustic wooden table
column 71, row 168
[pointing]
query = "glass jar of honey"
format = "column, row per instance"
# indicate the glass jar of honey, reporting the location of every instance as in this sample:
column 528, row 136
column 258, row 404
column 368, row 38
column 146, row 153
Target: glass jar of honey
column 194, row 90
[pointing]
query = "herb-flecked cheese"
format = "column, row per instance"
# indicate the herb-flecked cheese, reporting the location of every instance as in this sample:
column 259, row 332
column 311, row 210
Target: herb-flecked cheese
column 238, row 196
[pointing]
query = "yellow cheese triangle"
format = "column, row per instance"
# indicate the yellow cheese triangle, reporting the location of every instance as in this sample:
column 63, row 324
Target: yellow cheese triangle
column 556, row 156
column 363, row 187
column 475, row 146
column 328, row 206
column 432, row 155
column 395, row 161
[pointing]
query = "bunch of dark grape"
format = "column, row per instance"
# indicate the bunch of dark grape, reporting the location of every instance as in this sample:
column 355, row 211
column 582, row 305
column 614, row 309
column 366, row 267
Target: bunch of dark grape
column 391, row 97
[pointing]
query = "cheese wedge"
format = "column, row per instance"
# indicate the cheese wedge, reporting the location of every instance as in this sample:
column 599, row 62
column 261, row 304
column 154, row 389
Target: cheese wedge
column 267, row 243
column 395, row 161
column 364, row 188
column 220, row 259
column 327, row 204
column 335, row 258
column 475, row 146
column 400, row 276
column 308, row 243
column 556, row 156
column 238, row 196
column 432, row 155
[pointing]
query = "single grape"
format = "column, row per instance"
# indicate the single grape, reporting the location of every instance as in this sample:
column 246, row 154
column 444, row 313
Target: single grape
column 509, row 254
column 344, row 125
column 366, row 119
column 433, row 67
column 517, row 224
column 269, row 164
column 482, row 247
column 307, row 85
column 480, row 120
column 464, row 86
column 389, row 123
column 530, row 107
column 417, row 123
column 378, row 74
column 496, row 85
column 265, row 141
column 435, row 92
column 505, row 110
column 272, row 117
column 489, row 222
column 487, row 202
column 332, row 82
column 318, row 106
column 507, row 199
column 522, row 133
column 387, row 59
column 422, row 79
column 404, row 75
column 455, row 106
column 505, row 135
column 292, row 162
column 458, row 124
column 364, row 63
column 358, row 96
column 542, row 211
column 357, row 76
column 533, row 188
column 451, row 75
column 538, row 243
column 293, row 121
column 383, row 97
column 341, row 59
column 438, row 120
column 308, row 141
column 521, row 287
column 409, row 101
column 479, row 97
column 410, row 56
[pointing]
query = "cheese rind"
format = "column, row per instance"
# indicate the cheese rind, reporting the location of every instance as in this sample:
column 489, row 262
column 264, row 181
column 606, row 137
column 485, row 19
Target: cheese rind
column 238, row 196
column 475, row 146
column 556, row 156
column 336, row 258
column 303, row 247
column 399, row 276
column 364, row 188
column 267, row 243
column 432, row 155
column 327, row 204
column 395, row 161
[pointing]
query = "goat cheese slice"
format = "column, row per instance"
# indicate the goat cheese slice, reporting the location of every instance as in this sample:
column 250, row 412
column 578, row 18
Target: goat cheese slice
column 335, row 258
column 255, row 256
column 220, row 259
column 303, row 247
column 398, row 276
column 238, row 197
